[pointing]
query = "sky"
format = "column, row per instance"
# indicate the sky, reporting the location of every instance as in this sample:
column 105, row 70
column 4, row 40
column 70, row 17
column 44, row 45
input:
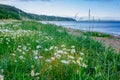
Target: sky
column 104, row 9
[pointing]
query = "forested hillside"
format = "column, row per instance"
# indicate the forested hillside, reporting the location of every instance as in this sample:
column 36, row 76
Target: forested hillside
column 11, row 12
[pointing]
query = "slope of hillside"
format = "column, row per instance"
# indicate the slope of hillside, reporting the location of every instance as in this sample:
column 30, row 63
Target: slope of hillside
column 7, row 12
column 33, row 51
column 11, row 12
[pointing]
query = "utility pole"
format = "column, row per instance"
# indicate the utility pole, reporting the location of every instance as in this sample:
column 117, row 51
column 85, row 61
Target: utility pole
column 89, row 14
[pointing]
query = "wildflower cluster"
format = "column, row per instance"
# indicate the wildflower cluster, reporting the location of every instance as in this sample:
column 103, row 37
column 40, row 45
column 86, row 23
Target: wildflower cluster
column 29, row 50
column 66, row 56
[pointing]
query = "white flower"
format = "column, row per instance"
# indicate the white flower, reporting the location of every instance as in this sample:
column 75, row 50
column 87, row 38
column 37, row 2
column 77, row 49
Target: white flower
column 13, row 54
column 70, row 57
column 37, row 74
column 52, row 58
column 56, row 47
column 40, row 57
column 73, row 61
column 58, row 56
column 38, row 47
column 62, row 45
column 60, row 51
column 32, row 73
column 23, row 53
column 80, row 58
column 72, row 47
column 24, row 47
column 46, row 49
column 81, row 53
column 73, row 51
column 19, row 50
column 65, row 61
column 52, row 47
column 35, row 52
column 64, row 49
column 78, row 62
column 1, row 77
column 48, row 60
column 84, row 65
column 36, row 57
column 21, row 57
column 65, row 52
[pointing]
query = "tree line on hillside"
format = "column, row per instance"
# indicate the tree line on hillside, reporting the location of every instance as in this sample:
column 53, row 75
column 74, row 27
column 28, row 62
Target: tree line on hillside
column 11, row 12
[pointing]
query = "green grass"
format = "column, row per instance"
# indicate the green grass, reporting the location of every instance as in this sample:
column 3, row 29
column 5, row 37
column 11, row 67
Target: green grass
column 34, row 51
column 97, row 34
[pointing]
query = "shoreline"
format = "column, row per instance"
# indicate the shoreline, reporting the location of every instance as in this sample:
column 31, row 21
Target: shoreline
column 112, row 34
column 73, row 24
column 113, row 41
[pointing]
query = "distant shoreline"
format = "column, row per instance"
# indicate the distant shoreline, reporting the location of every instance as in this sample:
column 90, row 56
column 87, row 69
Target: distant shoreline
column 112, row 34
column 73, row 25
column 101, row 21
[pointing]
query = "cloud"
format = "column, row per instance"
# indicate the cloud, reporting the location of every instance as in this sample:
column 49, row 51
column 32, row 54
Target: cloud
column 26, row 0
column 6, row 1
column 36, row 0
column 99, row 0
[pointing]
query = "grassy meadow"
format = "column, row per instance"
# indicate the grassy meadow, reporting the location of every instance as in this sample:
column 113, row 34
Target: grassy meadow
column 33, row 51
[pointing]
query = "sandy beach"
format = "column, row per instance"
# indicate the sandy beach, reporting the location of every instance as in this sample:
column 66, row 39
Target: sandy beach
column 113, row 42
column 110, row 42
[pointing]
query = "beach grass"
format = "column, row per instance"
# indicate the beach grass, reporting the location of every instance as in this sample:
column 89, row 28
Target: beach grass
column 33, row 51
column 97, row 34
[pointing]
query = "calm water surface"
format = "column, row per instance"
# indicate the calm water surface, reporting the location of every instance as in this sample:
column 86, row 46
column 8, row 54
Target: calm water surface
column 105, row 27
